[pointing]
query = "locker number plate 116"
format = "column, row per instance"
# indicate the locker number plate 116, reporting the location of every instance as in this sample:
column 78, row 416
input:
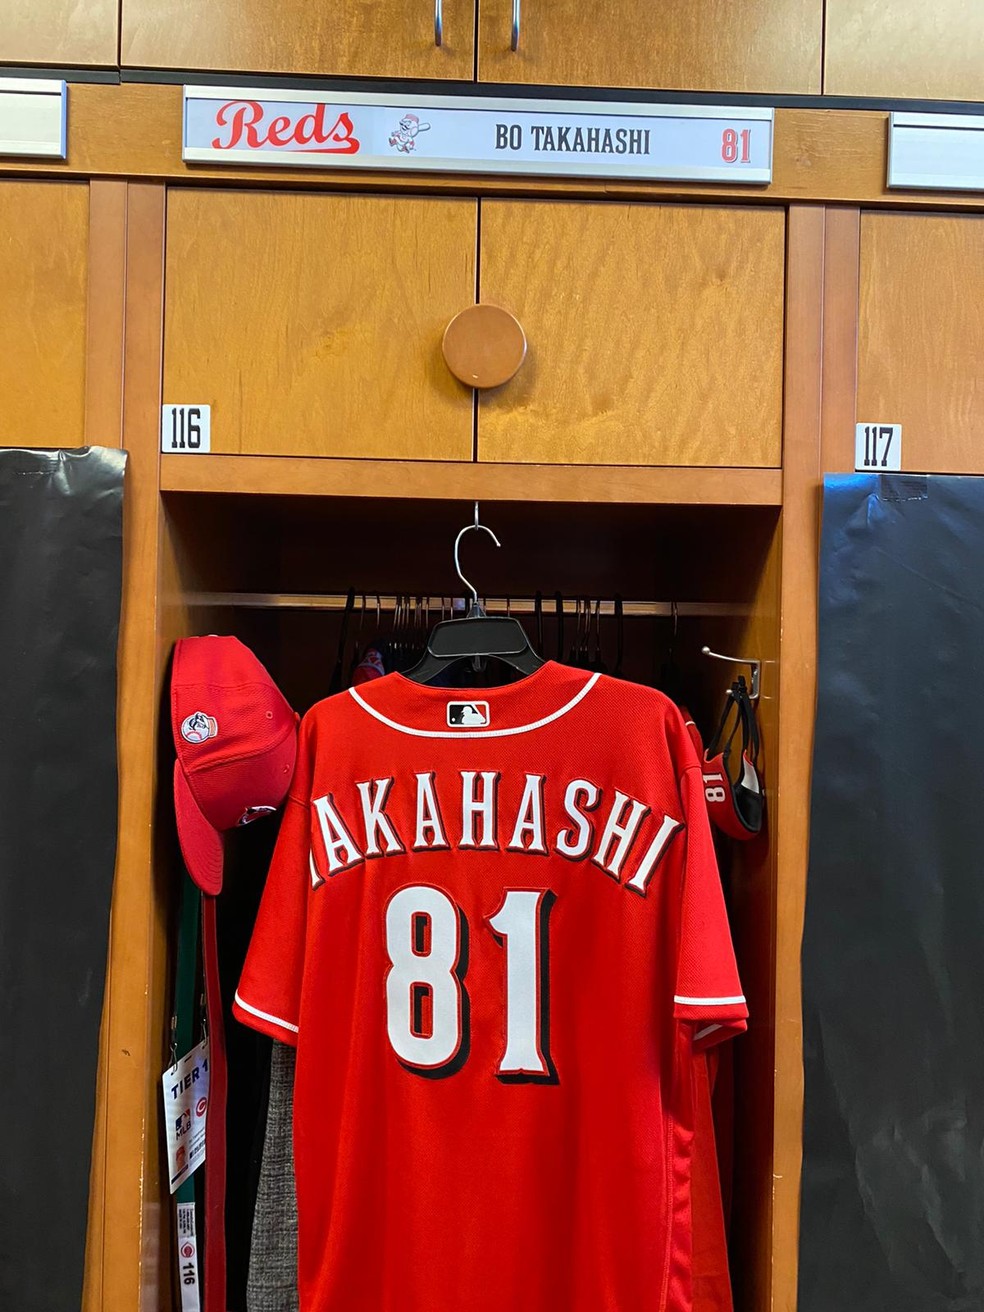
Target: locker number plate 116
column 877, row 447
column 186, row 430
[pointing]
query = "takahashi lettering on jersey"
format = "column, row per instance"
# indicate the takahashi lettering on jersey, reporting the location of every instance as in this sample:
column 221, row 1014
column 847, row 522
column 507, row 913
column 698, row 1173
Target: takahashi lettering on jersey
column 620, row 834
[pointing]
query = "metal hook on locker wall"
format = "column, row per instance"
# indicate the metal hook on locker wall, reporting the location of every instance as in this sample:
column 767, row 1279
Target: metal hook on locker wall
column 475, row 608
column 754, row 665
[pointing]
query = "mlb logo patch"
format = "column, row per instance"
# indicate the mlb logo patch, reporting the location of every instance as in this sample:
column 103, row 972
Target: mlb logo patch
column 468, row 715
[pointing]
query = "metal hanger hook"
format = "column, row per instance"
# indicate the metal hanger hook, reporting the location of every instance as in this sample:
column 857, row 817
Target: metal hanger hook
column 457, row 563
column 753, row 664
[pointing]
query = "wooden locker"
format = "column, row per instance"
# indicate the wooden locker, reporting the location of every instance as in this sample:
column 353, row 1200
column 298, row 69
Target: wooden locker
column 921, row 336
column 907, row 48
column 43, row 273
column 354, row 40
column 655, row 333
column 312, row 324
column 687, row 45
column 75, row 32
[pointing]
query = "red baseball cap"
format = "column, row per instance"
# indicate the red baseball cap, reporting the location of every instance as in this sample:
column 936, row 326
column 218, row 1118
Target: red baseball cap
column 236, row 740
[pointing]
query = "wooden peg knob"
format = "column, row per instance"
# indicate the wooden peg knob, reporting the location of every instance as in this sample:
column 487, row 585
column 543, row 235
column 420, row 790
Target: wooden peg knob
column 484, row 345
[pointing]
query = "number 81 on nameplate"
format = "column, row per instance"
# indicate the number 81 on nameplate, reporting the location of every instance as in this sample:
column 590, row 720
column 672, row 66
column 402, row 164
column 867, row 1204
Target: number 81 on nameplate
column 186, row 429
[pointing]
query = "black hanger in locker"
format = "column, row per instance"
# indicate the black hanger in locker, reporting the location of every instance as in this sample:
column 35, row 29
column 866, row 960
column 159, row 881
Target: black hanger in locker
column 478, row 637
column 335, row 683
column 357, row 652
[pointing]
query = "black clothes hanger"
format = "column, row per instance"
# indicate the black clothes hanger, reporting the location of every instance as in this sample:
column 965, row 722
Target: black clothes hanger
column 357, row 650
column 619, row 636
column 335, row 683
column 670, row 679
column 598, row 663
column 476, row 638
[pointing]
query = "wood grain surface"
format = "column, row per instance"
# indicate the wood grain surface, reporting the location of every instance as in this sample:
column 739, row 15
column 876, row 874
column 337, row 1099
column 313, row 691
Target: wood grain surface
column 905, row 49
column 44, row 240
column 294, row 36
column 921, row 336
column 72, row 32
column 752, row 885
column 467, row 481
column 655, row 333
column 698, row 45
column 797, row 694
column 312, row 324
column 105, row 312
column 126, row 1266
column 841, row 273
column 134, row 130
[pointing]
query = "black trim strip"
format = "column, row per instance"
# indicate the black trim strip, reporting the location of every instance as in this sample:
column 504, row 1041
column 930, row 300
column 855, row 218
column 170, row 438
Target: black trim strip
column 106, row 75
column 526, row 91
column 521, row 91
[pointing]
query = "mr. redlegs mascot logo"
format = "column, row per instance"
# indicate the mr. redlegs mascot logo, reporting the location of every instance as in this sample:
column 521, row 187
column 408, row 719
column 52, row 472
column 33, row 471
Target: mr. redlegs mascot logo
column 404, row 136
column 251, row 128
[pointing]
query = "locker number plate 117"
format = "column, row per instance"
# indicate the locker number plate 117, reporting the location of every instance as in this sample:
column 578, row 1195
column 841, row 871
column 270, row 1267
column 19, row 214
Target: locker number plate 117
column 186, row 429
column 877, row 447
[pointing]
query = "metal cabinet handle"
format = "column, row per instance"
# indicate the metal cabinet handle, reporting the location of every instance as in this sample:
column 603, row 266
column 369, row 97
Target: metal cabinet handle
column 439, row 22
column 514, row 43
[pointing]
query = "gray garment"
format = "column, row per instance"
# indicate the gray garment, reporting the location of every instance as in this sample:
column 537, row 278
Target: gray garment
column 272, row 1283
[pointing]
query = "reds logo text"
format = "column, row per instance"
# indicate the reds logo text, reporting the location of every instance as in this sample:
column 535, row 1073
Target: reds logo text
column 248, row 126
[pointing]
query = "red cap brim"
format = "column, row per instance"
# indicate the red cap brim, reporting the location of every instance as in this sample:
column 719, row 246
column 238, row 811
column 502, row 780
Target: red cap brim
column 201, row 845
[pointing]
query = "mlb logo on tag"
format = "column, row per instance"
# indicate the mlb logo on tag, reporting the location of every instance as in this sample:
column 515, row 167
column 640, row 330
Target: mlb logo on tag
column 468, row 715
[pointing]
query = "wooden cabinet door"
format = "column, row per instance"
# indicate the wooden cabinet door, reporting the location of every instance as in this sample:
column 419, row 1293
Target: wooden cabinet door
column 921, row 336
column 74, row 32
column 44, row 235
column 655, row 333
column 906, row 48
column 312, row 324
column 690, row 45
column 388, row 38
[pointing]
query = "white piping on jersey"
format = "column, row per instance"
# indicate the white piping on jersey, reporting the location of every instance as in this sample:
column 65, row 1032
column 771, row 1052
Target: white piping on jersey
column 709, row 1002
column 265, row 1015
column 478, row 733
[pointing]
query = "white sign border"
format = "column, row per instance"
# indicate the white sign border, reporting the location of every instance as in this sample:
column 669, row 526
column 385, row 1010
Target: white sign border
column 36, row 86
column 895, row 178
column 598, row 108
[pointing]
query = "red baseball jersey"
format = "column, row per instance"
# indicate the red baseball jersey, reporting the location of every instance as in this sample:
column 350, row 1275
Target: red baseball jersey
column 494, row 929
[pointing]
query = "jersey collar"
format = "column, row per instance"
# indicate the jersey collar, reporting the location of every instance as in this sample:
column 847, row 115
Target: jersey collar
column 422, row 711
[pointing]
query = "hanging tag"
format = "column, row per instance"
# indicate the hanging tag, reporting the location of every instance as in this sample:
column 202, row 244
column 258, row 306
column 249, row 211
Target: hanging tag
column 188, row 1259
column 185, row 1107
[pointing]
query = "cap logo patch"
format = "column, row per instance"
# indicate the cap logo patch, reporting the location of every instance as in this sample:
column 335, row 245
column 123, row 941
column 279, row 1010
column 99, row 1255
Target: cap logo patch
column 468, row 715
column 253, row 813
column 198, row 727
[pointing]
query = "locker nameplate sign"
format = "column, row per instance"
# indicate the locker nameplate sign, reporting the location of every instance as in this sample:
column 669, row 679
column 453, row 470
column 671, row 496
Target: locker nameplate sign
column 475, row 134
column 33, row 117
column 943, row 152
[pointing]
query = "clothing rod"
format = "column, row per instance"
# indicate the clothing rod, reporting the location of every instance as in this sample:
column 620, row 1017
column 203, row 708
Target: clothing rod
column 494, row 605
